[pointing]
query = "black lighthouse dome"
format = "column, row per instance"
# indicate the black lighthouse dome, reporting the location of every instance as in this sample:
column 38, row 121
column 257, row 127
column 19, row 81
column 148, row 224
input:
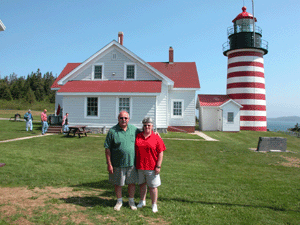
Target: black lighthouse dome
column 241, row 34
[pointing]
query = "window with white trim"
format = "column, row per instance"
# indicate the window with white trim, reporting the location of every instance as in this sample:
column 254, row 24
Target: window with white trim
column 124, row 104
column 130, row 71
column 177, row 108
column 92, row 107
column 98, row 72
column 230, row 117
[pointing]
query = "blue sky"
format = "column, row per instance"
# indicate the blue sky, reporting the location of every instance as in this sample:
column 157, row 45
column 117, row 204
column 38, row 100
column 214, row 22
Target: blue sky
column 49, row 34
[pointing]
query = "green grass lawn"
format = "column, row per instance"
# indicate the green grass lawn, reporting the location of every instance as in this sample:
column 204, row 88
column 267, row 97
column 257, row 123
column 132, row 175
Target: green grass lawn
column 202, row 182
column 15, row 129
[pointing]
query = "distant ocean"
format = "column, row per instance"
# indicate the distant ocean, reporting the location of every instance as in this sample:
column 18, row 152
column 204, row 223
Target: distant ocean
column 280, row 125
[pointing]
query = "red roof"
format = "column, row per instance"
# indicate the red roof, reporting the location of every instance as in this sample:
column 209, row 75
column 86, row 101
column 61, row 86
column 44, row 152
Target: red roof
column 212, row 100
column 112, row 86
column 244, row 15
column 68, row 68
column 184, row 74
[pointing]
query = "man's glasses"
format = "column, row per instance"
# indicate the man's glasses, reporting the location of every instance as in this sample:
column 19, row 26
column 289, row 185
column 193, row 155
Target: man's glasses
column 123, row 118
column 147, row 125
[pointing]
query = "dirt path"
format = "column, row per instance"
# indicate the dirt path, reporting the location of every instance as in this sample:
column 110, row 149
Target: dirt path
column 23, row 138
column 206, row 137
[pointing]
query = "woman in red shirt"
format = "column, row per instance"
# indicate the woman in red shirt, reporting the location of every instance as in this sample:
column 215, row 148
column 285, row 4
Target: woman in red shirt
column 149, row 149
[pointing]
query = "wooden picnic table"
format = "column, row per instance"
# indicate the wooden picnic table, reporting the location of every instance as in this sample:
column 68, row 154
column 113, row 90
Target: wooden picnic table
column 78, row 129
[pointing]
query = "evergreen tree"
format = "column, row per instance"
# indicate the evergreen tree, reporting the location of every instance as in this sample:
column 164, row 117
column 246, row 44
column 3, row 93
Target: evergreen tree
column 12, row 78
column 30, row 97
column 34, row 88
column 48, row 81
column 36, row 85
column 39, row 92
column 5, row 91
column 17, row 87
column 22, row 82
column 26, row 87
column 52, row 97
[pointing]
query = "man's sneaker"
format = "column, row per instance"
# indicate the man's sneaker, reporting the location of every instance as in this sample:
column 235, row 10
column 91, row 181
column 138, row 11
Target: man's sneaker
column 141, row 204
column 132, row 206
column 118, row 206
column 154, row 208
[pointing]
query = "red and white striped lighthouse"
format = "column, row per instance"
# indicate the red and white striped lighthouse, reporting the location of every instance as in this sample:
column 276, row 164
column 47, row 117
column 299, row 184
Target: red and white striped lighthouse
column 245, row 73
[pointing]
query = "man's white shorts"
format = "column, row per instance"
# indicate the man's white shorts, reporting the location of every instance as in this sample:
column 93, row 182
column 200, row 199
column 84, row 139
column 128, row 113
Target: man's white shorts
column 150, row 177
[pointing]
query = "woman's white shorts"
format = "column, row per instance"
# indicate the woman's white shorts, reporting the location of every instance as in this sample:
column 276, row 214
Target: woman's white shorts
column 150, row 177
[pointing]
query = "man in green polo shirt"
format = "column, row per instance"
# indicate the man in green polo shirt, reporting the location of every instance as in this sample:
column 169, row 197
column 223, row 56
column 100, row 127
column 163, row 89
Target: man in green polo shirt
column 120, row 156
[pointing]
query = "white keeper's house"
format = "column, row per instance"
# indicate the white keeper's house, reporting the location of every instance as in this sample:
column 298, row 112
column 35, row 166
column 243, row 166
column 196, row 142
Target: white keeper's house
column 114, row 79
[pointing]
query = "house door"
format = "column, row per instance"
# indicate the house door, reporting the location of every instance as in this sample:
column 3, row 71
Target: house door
column 220, row 120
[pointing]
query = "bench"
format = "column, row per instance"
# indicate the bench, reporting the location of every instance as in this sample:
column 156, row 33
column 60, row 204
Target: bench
column 16, row 117
column 80, row 130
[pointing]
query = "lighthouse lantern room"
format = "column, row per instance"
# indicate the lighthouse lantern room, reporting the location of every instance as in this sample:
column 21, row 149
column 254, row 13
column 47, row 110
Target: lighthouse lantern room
column 245, row 72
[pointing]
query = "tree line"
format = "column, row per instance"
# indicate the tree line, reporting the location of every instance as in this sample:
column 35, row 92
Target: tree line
column 36, row 87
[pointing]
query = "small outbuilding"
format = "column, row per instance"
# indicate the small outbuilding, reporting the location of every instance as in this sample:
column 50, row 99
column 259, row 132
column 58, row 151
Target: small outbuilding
column 218, row 113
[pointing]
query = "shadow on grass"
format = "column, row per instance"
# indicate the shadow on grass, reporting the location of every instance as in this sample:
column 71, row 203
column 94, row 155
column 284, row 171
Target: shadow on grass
column 68, row 136
column 107, row 194
column 102, row 184
column 71, row 135
column 105, row 198
column 33, row 123
column 275, row 208
column 33, row 131
column 91, row 201
column 108, row 188
column 13, row 120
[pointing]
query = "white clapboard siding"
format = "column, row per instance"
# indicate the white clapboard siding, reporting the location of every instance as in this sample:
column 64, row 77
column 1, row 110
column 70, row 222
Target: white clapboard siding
column 141, row 107
column 189, row 108
column 114, row 68
column 162, row 110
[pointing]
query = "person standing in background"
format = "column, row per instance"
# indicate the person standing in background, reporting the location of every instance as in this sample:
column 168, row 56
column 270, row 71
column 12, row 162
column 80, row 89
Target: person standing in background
column 65, row 123
column 29, row 118
column 44, row 121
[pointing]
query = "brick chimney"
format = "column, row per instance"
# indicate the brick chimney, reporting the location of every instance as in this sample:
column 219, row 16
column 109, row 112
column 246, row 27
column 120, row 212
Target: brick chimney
column 171, row 55
column 120, row 37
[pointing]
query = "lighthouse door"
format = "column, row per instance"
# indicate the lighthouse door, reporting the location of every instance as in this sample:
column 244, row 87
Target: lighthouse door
column 220, row 119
